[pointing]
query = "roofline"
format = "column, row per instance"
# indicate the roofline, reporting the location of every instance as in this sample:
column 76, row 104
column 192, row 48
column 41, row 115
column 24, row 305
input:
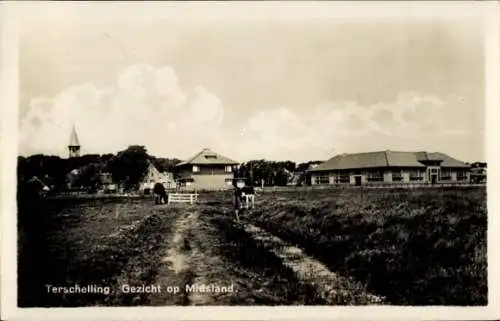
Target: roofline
column 386, row 154
column 374, row 167
column 363, row 167
column 391, row 151
column 189, row 161
column 201, row 164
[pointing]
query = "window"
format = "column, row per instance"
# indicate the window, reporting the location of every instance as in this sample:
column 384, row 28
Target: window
column 321, row 179
column 416, row 175
column 229, row 169
column 397, row 176
column 446, row 175
column 341, row 178
column 196, row 169
column 461, row 176
column 375, row 176
column 344, row 178
column 210, row 156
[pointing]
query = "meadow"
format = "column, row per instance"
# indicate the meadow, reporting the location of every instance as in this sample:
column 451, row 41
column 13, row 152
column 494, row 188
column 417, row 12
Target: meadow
column 412, row 247
column 114, row 241
column 85, row 242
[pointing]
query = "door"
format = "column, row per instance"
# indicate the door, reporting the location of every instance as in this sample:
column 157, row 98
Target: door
column 434, row 178
column 357, row 180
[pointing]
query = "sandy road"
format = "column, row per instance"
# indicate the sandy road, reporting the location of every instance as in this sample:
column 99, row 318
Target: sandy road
column 189, row 260
column 208, row 247
column 333, row 288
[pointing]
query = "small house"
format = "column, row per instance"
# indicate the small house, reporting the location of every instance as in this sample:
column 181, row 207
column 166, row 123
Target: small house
column 206, row 170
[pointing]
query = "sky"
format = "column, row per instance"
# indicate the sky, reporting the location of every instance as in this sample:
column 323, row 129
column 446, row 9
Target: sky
column 283, row 88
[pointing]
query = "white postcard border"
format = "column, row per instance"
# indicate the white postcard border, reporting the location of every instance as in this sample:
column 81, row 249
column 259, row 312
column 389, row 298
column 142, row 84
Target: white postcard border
column 381, row 10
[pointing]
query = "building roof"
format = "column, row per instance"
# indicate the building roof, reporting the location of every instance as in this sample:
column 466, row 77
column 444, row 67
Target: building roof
column 208, row 157
column 73, row 139
column 152, row 173
column 36, row 180
column 386, row 159
column 447, row 161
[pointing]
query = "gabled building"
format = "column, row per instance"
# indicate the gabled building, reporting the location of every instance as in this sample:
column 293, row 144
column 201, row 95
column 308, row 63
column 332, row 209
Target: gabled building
column 38, row 185
column 292, row 177
column 390, row 167
column 153, row 176
column 206, row 170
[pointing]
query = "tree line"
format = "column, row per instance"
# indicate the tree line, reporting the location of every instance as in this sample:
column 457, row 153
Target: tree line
column 128, row 167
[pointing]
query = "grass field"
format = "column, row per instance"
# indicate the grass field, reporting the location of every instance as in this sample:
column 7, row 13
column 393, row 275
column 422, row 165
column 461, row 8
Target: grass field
column 110, row 242
column 413, row 247
column 68, row 242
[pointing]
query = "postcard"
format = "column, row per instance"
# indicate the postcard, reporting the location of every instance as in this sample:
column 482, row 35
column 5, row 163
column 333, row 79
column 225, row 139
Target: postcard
column 249, row 160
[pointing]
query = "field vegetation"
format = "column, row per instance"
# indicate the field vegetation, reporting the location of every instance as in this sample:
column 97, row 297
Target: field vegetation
column 63, row 242
column 414, row 247
column 411, row 247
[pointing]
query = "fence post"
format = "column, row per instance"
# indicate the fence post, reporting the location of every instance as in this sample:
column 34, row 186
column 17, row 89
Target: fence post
column 168, row 198
column 191, row 198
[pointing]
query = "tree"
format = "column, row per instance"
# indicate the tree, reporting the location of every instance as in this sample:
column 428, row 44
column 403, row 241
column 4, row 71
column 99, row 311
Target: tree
column 281, row 178
column 129, row 166
column 90, row 176
column 50, row 169
column 165, row 164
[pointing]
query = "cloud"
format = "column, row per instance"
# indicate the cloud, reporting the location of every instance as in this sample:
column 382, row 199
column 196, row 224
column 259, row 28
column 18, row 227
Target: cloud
column 412, row 121
column 145, row 106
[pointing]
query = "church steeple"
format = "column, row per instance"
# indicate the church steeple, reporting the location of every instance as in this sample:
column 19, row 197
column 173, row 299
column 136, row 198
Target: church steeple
column 74, row 144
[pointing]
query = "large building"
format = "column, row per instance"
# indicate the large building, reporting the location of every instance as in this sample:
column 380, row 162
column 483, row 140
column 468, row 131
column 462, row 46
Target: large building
column 390, row 167
column 206, row 170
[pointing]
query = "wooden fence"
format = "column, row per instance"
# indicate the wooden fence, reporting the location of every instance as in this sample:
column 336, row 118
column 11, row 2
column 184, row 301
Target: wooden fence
column 182, row 198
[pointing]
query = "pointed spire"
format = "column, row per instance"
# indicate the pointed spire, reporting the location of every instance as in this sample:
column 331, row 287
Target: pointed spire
column 73, row 140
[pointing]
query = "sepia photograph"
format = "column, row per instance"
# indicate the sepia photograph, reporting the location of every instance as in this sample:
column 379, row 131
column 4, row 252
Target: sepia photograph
column 250, row 155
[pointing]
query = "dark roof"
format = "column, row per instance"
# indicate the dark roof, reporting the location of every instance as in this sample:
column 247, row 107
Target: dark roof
column 386, row 159
column 208, row 157
column 36, row 180
column 447, row 160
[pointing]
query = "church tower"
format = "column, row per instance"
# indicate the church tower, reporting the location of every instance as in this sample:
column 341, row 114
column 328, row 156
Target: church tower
column 74, row 144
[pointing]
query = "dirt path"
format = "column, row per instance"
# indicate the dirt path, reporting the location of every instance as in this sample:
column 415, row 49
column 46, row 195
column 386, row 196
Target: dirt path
column 175, row 269
column 189, row 261
column 208, row 248
column 331, row 287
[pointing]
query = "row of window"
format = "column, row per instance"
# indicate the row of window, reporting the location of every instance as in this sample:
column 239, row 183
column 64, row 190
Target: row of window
column 397, row 176
column 227, row 169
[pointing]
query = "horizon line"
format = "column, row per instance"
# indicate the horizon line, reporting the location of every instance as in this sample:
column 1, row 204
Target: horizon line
column 482, row 160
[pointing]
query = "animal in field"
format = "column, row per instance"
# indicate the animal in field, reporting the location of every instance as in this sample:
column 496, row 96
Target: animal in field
column 244, row 198
column 237, row 201
column 160, row 193
column 248, row 195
